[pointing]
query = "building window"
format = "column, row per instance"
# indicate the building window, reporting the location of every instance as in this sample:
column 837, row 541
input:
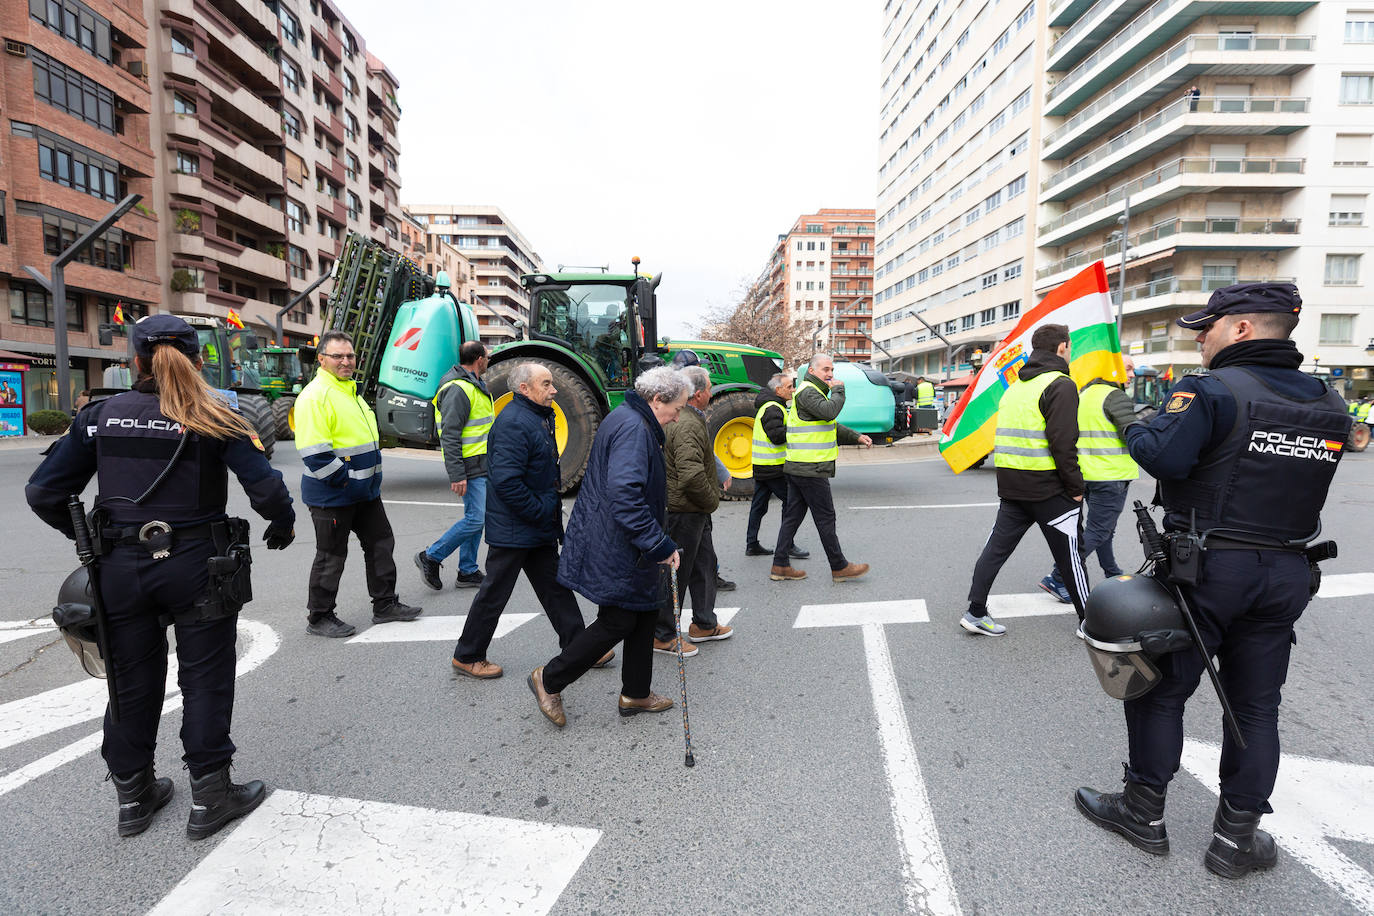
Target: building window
column 132, row 311
column 295, row 216
column 1360, row 31
column 181, row 44
column 182, row 105
column 1337, row 329
column 1218, row 274
column 187, row 163
column 966, row 323
column 295, row 258
column 350, row 126
column 291, row 76
column 1342, row 270
column 1346, row 210
column 76, row 22
column 290, row 26
column 290, row 124
column 1011, row 272
column 60, row 229
column 1351, row 150
column 352, row 166
column 1357, row 89
column 69, row 91
column 1011, row 310
column 355, row 206
column 76, row 167
column 987, row 317
column 32, row 306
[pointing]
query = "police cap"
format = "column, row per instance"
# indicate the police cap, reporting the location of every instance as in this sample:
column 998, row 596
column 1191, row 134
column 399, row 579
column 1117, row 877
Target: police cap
column 151, row 330
column 1245, row 299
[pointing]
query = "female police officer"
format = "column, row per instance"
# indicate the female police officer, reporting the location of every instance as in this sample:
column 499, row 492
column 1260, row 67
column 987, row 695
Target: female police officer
column 161, row 452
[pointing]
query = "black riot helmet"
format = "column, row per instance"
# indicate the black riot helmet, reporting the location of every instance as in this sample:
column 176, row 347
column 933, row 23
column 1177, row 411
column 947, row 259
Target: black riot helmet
column 75, row 617
column 1128, row 622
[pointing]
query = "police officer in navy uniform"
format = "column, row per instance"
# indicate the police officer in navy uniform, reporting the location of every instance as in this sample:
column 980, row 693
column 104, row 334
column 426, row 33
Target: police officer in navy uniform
column 161, row 453
column 1245, row 453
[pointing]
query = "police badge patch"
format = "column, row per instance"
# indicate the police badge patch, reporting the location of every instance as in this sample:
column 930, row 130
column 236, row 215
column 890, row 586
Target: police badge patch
column 256, row 441
column 1179, row 401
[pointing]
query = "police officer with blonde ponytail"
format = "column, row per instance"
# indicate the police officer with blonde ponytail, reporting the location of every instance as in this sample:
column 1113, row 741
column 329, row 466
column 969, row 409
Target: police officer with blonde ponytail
column 161, row 454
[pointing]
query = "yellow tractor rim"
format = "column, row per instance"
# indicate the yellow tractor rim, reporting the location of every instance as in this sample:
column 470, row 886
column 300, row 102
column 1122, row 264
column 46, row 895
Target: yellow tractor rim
column 734, row 446
column 291, row 417
column 560, row 421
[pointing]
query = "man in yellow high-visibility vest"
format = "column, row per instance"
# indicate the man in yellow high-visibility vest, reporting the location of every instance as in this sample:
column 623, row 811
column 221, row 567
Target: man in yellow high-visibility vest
column 813, row 447
column 1038, row 478
column 464, row 413
column 770, row 454
column 1104, row 412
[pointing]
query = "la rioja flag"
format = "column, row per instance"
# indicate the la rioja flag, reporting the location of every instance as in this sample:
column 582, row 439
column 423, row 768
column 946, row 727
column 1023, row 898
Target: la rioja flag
column 1083, row 304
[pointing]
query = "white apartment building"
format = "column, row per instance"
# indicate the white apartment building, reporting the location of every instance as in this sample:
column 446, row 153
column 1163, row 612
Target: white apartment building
column 955, row 216
column 499, row 254
column 1240, row 136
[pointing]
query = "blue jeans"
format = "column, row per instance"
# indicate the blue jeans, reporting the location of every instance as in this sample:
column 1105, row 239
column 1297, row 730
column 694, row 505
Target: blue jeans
column 466, row 534
column 1105, row 499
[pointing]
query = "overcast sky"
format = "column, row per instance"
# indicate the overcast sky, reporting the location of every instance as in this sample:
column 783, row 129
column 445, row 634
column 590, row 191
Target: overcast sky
column 690, row 134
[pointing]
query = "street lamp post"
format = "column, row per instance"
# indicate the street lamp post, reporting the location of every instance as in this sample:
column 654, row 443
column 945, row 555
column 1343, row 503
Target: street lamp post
column 1125, row 220
column 57, row 291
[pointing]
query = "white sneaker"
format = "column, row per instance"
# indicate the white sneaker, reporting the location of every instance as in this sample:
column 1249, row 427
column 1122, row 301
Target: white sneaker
column 984, row 625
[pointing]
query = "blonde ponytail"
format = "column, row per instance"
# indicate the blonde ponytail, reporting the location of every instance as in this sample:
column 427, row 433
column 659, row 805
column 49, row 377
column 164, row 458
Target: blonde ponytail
column 186, row 398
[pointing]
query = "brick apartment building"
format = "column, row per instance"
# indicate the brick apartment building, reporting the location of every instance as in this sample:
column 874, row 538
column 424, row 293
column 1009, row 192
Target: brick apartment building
column 434, row 254
column 74, row 139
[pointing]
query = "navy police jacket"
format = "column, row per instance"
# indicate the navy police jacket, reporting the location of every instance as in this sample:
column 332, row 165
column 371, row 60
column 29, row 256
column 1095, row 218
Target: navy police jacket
column 523, row 509
column 616, row 536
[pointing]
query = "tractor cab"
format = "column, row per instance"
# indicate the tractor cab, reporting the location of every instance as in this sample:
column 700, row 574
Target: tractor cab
column 231, row 358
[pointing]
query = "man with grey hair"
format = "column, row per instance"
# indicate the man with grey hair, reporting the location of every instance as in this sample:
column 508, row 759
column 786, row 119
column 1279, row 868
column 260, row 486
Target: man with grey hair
column 524, row 522
column 693, row 494
column 770, row 452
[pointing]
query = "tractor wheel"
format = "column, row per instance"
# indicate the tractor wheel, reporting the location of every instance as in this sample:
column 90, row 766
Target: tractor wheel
column 730, row 430
column 1359, row 437
column 258, row 413
column 282, row 409
column 576, row 414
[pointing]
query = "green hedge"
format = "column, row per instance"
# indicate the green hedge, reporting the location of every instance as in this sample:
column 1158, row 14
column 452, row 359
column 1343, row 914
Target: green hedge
column 49, row 422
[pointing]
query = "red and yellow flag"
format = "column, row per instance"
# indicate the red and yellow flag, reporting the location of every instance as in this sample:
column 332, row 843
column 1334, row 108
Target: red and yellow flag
column 234, row 319
column 118, row 316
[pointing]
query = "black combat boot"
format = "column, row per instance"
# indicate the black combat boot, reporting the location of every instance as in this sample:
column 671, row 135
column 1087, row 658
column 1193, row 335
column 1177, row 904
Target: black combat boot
column 215, row 801
column 140, row 797
column 1137, row 814
column 1238, row 845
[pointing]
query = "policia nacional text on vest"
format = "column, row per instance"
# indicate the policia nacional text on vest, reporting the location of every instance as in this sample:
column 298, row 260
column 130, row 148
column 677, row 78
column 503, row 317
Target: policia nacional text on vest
column 481, row 414
column 808, row 441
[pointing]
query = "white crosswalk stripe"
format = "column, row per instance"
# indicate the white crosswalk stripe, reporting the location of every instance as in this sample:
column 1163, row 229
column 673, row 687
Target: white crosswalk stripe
column 433, row 629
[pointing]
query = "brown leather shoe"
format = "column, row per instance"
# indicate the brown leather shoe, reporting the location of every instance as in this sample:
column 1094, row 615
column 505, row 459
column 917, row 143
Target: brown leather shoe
column 709, row 634
column 852, row 571
column 783, row 573
column 550, row 704
column 605, row 659
column 480, row 669
column 669, row 647
column 652, row 703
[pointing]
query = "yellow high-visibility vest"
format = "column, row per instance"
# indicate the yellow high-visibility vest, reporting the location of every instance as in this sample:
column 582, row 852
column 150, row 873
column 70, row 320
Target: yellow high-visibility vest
column 481, row 414
column 1101, row 453
column 811, row 441
column 765, row 451
column 1021, row 442
column 925, row 395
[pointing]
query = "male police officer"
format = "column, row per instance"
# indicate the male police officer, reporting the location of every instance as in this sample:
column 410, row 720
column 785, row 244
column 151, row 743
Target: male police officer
column 464, row 412
column 1225, row 448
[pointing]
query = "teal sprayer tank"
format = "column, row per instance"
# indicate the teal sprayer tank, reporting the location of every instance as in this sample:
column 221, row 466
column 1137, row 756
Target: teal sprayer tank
column 422, row 348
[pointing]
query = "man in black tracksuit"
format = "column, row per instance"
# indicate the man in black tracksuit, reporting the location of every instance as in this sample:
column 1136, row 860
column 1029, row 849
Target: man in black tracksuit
column 769, row 480
column 1038, row 478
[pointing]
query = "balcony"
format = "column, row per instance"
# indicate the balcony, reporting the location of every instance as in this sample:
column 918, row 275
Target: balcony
column 1187, row 293
column 1150, row 29
column 1169, row 182
column 1180, row 234
column 850, row 271
column 233, row 95
column 1250, row 55
column 244, row 206
column 1219, row 115
column 224, row 32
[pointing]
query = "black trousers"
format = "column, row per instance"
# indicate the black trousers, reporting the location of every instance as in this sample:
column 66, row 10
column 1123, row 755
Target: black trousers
column 332, row 526
column 504, row 564
column 1061, row 522
column 696, row 575
column 136, row 590
column 612, row 625
column 765, row 491
column 1245, row 608
column 811, row 493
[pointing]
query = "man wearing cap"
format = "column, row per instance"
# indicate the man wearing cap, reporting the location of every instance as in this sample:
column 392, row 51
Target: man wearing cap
column 336, row 437
column 1225, row 448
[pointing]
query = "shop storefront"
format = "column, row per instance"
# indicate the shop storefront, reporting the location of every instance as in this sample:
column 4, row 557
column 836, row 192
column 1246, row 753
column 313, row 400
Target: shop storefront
column 42, row 382
column 13, row 369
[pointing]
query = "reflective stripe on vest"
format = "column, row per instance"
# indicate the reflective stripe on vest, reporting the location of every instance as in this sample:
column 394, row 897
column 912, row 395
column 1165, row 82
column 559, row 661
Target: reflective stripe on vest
column 1101, row 453
column 1021, row 442
column 765, row 452
column 810, row 441
column 481, row 414
column 925, row 395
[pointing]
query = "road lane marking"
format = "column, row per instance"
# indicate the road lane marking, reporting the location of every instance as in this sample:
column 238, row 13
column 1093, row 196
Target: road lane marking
column 934, row 506
column 433, row 629
column 1315, row 800
column 23, row 629
column 1347, row 585
column 928, row 885
column 309, row 854
column 262, row 641
column 411, row 502
column 1029, row 604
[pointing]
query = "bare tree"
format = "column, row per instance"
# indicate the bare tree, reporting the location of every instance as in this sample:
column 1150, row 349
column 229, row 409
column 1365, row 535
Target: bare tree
column 758, row 322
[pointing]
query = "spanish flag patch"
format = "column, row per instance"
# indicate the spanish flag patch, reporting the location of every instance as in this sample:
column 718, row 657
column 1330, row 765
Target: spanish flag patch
column 256, row 442
column 1179, row 401
column 1333, row 445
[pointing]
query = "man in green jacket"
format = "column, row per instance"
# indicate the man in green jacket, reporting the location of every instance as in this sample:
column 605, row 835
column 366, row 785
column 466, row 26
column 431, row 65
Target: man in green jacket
column 693, row 494
column 813, row 441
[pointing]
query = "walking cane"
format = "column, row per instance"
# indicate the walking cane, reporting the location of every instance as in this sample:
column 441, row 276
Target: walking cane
column 682, row 675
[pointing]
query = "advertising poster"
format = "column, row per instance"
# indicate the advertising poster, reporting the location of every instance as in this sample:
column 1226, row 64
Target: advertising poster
column 11, row 403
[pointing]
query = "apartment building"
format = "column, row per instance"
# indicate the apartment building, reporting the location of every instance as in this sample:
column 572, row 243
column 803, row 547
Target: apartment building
column 277, row 135
column 821, row 274
column 433, row 254
column 955, row 243
column 74, row 140
column 499, row 254
column 1227, row 142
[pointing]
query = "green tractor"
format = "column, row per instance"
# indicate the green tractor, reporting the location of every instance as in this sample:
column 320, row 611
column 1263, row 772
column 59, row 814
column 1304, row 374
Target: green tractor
column 595, row 332
column 283, row 377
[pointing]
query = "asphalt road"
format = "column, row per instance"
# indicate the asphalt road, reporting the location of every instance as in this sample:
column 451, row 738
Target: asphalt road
column 400, row 789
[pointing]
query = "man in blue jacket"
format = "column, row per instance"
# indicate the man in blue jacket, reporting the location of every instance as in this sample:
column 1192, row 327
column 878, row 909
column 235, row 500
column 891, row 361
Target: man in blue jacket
column 524, row 522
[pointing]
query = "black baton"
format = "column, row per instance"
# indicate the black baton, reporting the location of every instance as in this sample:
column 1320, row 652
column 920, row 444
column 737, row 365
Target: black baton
column 85, row 552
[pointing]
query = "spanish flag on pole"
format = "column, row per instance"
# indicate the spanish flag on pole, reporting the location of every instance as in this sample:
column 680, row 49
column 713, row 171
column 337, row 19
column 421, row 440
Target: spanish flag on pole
column 234, row 320
column 1084, row 305
column 118, row 316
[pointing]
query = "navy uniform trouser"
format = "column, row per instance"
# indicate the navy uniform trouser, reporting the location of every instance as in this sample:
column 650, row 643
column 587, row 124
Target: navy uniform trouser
column 1245, row 607
column 136, row 590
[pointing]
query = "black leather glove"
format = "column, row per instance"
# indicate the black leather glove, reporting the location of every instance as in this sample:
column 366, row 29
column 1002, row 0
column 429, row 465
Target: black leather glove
column 278, row 538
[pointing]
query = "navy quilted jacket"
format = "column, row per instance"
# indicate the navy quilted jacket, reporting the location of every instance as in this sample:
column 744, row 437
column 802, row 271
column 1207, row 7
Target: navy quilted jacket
column 522, row 461
column 615, row 537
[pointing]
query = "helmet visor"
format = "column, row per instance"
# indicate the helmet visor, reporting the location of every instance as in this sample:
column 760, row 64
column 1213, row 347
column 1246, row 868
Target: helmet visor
column 1124, row 675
